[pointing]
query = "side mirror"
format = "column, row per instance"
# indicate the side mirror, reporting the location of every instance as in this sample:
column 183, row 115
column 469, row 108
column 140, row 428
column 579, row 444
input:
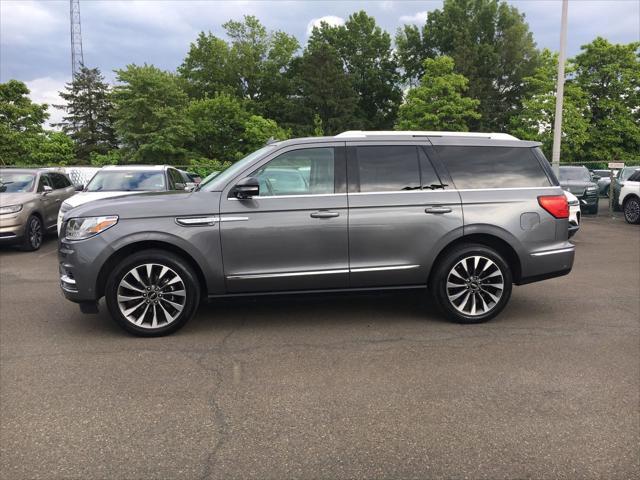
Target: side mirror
column 247, row 188
column 596, row 178
column 190, row 186
column 79, row 188
column 180, row 186
column 46, row 189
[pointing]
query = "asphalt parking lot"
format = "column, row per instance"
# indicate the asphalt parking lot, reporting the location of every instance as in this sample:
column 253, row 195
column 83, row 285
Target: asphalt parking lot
column 374, row 386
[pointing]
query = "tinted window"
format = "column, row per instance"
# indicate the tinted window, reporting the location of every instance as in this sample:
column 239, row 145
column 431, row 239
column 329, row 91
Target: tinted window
column 626, row 172
column 574, row 174
column 12, row 182
column 387, row 168
column 44, row 180
column 126, row 181
column 635, row 177
column 59, row 181
column 307, row 171
column 493, row 167
column 174, row 178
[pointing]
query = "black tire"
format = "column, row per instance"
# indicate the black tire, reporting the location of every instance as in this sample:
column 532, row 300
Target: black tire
column 160, row 307
column 593, row 210
column 441, row 293
column 33, row 234
column 632, row 210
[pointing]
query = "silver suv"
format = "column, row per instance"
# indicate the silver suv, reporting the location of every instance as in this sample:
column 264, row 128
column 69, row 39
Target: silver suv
column 465, row 216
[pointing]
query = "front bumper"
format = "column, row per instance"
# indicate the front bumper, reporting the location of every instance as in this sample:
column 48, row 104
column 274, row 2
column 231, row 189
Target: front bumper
column 589, row 199
column 11, row 229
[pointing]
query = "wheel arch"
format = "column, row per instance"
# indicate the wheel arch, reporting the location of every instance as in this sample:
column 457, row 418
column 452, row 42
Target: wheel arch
column 491, row 240
column 126, row 250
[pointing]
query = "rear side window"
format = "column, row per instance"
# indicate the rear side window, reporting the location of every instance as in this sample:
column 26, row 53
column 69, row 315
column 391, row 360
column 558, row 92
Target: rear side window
column 635, row 177
column 492, row 167
column 387, row 168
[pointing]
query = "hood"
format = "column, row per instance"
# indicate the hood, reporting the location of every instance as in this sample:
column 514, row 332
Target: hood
column 152, row 204
column 577, row 187
column 7, row 199
column 84, row 197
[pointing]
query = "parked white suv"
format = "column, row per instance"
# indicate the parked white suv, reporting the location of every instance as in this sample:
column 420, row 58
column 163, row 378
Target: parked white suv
column 119, row 180
column 630, row 198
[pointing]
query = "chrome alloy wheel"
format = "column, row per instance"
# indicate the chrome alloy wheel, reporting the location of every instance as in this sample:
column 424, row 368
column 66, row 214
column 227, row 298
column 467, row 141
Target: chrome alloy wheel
column 632, row 211
column 151, row 295
column 475, row 285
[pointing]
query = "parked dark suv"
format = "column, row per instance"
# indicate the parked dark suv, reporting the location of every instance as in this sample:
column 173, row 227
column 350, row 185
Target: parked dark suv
column 466, row 215
column 578, row 181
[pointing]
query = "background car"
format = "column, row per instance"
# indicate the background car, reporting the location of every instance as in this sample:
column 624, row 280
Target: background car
column 574, row 213
column 115, row 181
column 577, row 180
column 603, row 180
column 29, row 204
column 618, row 182
column 630, row 198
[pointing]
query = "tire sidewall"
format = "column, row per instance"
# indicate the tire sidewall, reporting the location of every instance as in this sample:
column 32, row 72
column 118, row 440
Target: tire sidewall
column 26, row 244
column 160, row 257
column 626, row 205
column 439, row 282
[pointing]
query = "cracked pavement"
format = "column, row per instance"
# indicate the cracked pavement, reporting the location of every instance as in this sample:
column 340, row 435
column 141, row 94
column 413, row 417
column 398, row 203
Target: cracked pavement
column 366, row 386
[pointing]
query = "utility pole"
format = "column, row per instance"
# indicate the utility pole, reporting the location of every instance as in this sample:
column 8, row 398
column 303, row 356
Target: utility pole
column 77, row 59
column 557, row 126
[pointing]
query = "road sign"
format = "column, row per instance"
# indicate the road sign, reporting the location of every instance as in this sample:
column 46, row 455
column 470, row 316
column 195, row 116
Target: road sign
column 616, row 165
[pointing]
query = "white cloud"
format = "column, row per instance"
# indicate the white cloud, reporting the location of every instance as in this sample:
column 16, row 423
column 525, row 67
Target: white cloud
column 418, row 17
column 330, row 19
column 27, row 22
column 45, row 90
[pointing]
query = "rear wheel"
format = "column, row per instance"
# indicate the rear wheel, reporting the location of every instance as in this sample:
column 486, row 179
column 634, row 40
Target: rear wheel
column 33, row 234
column 471, row 284
column 632, row 210
column 152, row 293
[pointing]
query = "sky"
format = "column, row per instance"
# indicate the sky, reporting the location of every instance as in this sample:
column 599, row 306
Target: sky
column 35, row 38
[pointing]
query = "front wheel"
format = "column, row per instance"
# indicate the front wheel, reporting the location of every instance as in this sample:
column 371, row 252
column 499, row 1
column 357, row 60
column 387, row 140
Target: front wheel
column 33, row 234
column 152, row 293
column 632, row 210
column 471, row 284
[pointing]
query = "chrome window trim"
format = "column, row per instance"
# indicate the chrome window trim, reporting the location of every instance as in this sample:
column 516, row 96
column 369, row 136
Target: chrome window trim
column 440, row 190
column 293, row 196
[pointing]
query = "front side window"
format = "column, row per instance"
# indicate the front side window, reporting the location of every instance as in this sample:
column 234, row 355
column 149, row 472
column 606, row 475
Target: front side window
column 386, row 168
column 492, row 167
column 59, row 181
column 308, row 171
column 127, row 181
column 44, row 180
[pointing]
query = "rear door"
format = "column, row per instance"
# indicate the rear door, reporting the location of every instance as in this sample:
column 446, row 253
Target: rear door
column 293, row 236
column 400, row 213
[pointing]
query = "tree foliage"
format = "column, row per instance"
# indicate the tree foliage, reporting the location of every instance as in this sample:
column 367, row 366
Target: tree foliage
column 491, row 46
column 535, row 121
column 438, row 103
column 89, row 114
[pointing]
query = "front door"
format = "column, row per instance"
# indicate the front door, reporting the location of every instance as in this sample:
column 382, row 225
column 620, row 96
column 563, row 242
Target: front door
column 49, row 201
column 400, row 213
column 293, row 235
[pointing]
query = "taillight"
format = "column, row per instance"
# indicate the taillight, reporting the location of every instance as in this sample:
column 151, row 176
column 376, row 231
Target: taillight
column 556, row 205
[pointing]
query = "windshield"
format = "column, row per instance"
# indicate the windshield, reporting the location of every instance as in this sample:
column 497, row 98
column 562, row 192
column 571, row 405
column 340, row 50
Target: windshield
column 575, row 174
column 220, row 180
column 627, row 172
column 127, row 181
column 15, row 182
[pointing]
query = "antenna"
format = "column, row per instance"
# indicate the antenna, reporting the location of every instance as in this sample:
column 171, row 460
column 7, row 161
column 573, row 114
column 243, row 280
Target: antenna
column 77, row 59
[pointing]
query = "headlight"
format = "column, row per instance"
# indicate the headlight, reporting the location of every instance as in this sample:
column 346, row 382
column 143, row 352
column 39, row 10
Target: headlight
column 85, row 227
column 10, row 209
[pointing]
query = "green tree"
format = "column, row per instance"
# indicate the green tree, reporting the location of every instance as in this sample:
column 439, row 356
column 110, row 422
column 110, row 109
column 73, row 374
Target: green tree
column 54, row 148
column 150, row 116
column 20, row 123
column 89, row 114
column 536, row 119
column 438, row 103
column 325, row 91
column 367, row 56
column 207, row 69
column 491, row 46
column 609, row 75
column 224, row 130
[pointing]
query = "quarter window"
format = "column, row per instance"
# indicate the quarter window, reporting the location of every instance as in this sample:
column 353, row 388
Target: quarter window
column 386, row 168
column 308, row 171
column 492, row 167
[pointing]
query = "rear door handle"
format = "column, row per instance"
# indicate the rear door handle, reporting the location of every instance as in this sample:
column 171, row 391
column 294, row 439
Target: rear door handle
column 437, row 210
column 324, row 214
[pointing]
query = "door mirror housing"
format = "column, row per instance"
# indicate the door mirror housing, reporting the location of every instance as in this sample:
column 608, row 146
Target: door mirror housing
column 247, row 188
column 79, row 188
column 46, row 189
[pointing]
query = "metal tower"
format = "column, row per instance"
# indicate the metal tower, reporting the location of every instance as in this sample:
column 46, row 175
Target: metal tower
column 77, row 59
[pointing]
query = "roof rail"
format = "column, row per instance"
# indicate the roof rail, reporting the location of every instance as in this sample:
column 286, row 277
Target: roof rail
column 410, row 133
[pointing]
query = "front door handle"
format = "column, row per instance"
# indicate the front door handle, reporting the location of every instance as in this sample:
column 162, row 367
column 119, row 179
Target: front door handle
column 437, row 210
column 324, row 214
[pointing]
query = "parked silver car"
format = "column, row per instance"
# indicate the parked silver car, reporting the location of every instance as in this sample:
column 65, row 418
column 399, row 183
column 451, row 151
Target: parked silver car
column 464, row 215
